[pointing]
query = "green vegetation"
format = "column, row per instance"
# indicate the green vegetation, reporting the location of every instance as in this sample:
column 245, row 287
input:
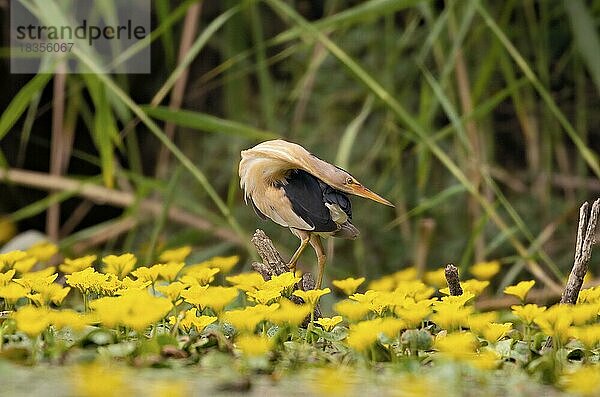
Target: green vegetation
column 477, row 119
column 401, row 334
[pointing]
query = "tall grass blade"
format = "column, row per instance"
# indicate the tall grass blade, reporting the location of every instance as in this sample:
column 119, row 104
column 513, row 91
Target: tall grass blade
column 206, row 122
column 585, row 31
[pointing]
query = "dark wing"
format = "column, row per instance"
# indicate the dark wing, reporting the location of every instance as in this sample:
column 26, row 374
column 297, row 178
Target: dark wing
column 305, row 193
column 332, row 196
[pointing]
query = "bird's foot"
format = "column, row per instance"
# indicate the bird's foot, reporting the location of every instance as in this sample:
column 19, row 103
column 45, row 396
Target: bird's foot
column 292, row 267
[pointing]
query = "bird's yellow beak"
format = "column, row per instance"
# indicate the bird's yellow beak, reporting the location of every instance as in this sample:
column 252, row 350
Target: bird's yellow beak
column 360, row 190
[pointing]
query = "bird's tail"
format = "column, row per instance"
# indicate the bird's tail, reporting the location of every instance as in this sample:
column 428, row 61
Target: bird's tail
column 348, row 231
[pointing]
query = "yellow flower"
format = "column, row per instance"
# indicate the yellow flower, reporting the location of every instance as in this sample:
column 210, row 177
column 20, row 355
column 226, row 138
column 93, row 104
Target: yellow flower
column 408, row 274
column 200, row 276
column 485, row 270
column 175, row 254
column 380, row 303
column 44, row 273
column 556, row 322
column 520, row 290
column 589, row 335
column 385, row 283
column 110, row 285
column 51, row 293
column 195, row 294
column 8, row 259
column 37, row 280
column 43, row 251
column 136, row 310
column 246, row 281
column 487, row 359
column 413, row 313
column 24, row 265
column 584, row 313
column 363, row 334
column 214, row 297
column 191, row 319
column 172, row 291
column 282, row 282
column 289, row 313
column 479, row 321
column 414, row 289
column 435, row 278
column 456, row 346
column 147, row 273
column 527, row 313
column 311, row 296
column 119, row 265
column 128, row 285
column 70, row 319
column 360, row 339
column 460, row 300
column 253, row 345
column 264, row 310
column 86, row 281
column 352, row 311
column 476, row 287
column 367, row 297
column 12, row 292
column 391, row 326
column 243, row 320
column 169, row 271
column 451, row 317
column 493, row 332
column 264, row 296
column 6, row 277
column 589, row 295
column 348, row 285
column 32, row 320
column 224, row 263
column 584, row 381
column 328, row 323
column 99, row 380
column 77, row 264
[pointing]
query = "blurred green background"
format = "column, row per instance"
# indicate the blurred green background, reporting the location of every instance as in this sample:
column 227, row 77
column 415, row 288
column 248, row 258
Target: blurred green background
column 478, row 119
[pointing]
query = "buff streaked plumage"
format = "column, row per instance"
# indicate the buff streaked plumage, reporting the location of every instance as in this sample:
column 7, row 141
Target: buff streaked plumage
column 296, row 189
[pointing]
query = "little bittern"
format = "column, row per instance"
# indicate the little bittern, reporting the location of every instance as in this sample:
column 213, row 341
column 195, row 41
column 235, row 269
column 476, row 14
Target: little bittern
column 298, row 190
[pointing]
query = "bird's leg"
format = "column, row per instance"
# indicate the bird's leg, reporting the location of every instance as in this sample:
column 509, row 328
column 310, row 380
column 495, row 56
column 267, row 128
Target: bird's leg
column 304, row 239
column 315, row 241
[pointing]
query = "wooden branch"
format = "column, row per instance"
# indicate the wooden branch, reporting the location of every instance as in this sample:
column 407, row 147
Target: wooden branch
column 586, row 238
column 586, row 233
column 104, row 196
column 273, row 265
column 452, row 279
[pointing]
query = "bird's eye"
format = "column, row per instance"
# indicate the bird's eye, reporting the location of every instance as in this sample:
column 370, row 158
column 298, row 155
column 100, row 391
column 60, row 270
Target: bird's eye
column 349, row 181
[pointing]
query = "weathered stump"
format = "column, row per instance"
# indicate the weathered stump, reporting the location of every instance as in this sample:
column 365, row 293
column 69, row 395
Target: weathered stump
column 273, row 265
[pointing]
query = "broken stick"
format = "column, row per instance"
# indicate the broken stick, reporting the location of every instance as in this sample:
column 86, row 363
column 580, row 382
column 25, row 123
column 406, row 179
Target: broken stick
column 586, row 233
column 273, row 265
column 452, row 279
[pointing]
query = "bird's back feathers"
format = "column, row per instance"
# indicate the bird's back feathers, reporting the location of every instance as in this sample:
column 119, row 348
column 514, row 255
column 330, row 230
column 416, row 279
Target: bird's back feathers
column 279, row 179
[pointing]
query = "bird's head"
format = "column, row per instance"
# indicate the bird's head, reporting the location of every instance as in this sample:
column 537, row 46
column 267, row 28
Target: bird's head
column 344, row 182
